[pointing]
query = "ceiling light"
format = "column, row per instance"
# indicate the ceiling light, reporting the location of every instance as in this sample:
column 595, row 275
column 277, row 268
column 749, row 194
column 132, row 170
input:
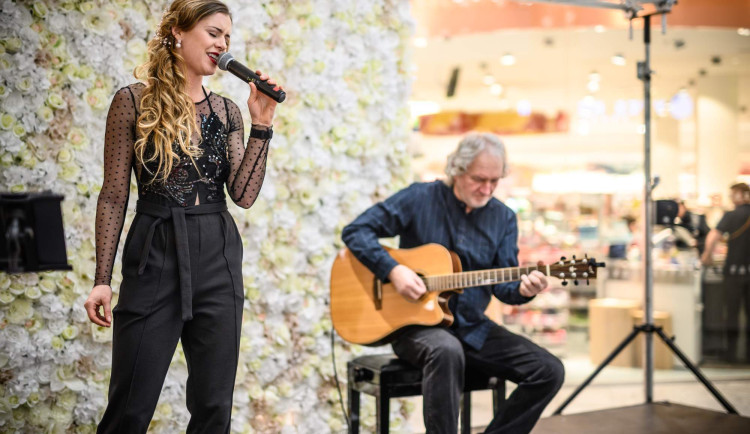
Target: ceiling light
column 488, row 79
column 594, row 76
column 743, row 31
column 660, row 107
column 496, row 89
column 618, row 59
column 599, row 28
column 681, row 106
column 523, row 107
column 593, row 86
column 508, row 59
column 420, row 42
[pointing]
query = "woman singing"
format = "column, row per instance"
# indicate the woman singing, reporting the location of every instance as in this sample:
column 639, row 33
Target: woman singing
column 182, row 258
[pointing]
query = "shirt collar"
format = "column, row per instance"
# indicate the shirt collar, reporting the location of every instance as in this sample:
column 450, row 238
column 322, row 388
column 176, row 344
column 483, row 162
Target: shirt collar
column 451, row 199
column 457, row 204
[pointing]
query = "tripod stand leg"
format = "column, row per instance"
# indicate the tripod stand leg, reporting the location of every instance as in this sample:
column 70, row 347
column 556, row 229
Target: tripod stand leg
column 695, row 371
column 606, row 361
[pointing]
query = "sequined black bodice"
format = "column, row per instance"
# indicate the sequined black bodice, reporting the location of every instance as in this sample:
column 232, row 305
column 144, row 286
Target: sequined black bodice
column 205, row 179
column 223, row 162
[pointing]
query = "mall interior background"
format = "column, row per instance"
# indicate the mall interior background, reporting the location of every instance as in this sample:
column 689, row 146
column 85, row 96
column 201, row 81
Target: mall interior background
column 557, row 83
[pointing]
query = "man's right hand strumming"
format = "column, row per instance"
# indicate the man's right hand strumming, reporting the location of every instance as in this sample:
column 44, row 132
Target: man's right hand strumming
column 100, row 296
column 407, row 282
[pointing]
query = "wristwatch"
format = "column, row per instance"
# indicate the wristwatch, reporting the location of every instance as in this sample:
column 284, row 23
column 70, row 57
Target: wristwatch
column 261, row 134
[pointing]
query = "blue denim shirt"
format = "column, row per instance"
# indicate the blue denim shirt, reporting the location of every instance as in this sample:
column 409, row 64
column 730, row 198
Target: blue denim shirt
column 424, row 213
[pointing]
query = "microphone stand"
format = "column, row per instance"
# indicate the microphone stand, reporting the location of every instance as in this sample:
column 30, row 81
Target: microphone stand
column 644, row 74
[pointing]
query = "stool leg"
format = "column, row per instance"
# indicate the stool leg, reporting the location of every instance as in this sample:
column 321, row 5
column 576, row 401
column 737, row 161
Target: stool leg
column 383, row 411
column 352, row 401
column 498, row 397
column 466, row 413
column 353, row 404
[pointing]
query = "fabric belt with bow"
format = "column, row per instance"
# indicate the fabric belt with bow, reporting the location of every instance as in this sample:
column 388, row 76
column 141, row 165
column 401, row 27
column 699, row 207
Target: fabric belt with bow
column 182, row 247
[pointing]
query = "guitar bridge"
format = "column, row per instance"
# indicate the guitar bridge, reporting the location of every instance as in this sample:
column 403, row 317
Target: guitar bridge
column 377, row 293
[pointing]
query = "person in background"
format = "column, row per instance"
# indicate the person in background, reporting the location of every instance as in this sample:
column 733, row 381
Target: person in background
column 461, row 214
column 694, row 223
column 735, row 228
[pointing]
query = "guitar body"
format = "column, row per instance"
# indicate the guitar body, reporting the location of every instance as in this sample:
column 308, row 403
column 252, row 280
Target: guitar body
column 366, row 313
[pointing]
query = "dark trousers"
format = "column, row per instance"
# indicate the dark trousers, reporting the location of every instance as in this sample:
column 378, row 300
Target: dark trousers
column 148, row 323
column 737, row 295
column 444, row 359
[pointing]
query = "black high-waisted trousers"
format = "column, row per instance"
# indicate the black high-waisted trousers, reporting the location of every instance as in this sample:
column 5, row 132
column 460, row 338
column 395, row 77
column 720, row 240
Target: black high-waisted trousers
column 182, row 280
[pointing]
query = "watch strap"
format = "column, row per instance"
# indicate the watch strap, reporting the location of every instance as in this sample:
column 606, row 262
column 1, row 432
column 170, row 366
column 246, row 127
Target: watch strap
column 257, row 133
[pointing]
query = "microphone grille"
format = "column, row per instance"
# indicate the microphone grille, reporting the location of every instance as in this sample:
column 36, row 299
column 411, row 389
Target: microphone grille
column 224, row 59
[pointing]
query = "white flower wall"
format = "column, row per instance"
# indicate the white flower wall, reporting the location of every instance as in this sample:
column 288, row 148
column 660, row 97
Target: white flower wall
column 339, row 144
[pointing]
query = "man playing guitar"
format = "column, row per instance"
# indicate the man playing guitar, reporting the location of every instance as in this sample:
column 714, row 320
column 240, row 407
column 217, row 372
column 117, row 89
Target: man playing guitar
column 461, row 214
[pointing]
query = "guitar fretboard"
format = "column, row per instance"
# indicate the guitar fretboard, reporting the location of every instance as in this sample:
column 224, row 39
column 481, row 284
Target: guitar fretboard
column 468, row 279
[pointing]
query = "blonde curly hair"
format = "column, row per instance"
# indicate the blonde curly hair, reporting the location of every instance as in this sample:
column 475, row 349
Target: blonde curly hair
column 167, row 113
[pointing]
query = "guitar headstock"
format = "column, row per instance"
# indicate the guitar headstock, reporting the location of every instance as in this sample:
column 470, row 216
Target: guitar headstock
column 575, row 269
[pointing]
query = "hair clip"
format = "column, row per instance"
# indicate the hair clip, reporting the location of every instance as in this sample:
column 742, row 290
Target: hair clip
column 165, row 41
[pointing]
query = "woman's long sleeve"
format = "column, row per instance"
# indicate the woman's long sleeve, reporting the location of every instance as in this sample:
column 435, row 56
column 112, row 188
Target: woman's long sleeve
column 247, row 164
column 119, row 138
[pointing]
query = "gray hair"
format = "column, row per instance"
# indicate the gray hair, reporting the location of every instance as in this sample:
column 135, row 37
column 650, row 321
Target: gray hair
column 468, row 149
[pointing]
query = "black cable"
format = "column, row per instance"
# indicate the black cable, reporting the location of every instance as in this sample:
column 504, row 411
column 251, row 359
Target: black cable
column 338, row 386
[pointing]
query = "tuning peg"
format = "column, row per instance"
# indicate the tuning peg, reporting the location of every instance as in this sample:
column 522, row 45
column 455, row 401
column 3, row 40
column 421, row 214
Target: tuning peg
column 587, row 281
column 574, row 257
column 564, row 283
column 562, row 258
column 575, row 282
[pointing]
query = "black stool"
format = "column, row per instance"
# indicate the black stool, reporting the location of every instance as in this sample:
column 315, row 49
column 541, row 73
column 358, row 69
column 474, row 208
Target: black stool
column 385, row 376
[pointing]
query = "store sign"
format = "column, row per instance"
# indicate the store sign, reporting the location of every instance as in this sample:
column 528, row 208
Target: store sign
column 521, row 121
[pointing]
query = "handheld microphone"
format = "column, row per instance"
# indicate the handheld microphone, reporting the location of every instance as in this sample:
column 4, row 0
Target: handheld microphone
column 228, row 63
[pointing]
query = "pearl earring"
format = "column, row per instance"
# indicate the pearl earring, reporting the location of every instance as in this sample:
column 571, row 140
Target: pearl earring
column 178, row 44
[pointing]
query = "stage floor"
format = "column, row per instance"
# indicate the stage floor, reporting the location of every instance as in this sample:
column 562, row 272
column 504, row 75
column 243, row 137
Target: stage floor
column 655, row 418
column 621, row 387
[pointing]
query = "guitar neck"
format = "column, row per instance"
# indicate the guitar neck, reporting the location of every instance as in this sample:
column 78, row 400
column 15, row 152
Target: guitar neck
column 448, row 282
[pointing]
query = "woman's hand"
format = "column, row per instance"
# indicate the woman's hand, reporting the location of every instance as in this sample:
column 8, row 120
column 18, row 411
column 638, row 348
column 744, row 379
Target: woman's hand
column 261, row 106
column 100, row 296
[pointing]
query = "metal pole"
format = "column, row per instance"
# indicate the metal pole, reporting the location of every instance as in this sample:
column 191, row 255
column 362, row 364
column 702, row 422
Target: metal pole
column 648, row 206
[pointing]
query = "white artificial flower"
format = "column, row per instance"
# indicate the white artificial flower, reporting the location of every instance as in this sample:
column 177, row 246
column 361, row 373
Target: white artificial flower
column 340, row 140
column 56, row 22
column 19, row 311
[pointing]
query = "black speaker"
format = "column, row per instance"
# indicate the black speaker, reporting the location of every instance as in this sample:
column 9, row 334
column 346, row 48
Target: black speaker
column 31, row 233
column 453, row 82
column 666, row 212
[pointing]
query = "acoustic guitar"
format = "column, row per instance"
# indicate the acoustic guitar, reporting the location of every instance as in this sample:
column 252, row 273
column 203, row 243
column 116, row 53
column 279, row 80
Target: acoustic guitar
column 367, row 311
